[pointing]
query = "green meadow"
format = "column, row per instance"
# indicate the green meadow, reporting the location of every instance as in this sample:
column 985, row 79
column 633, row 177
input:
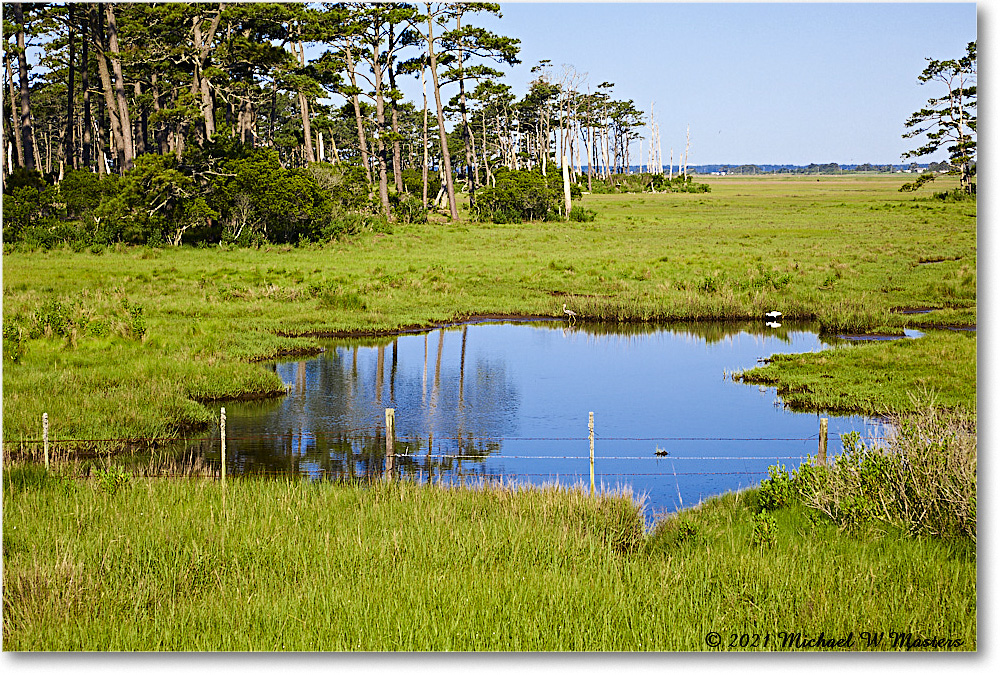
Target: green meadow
column 130, row 343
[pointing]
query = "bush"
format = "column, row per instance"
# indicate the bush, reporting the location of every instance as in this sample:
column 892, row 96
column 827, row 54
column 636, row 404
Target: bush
column 262, row 201
column 82, row 191
column 765, row 530
column 776, row 491
column 407, row 209
column 345, row 185
column 136, row 322
column 578, row 214
column 112, row 479
column 52, row 319
column 519, row 196
column 957, row 195
column 413, row 183
column 27, row 200
column 923, row 479
column 14, row 339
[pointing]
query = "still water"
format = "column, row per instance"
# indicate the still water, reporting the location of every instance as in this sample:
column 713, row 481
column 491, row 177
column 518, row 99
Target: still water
column 511, row 401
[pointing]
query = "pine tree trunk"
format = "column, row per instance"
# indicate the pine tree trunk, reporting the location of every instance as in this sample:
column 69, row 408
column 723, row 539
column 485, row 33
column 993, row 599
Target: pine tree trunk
column 486, row 161
column 109, row 96
column 142, row 138
column 445, row 154
column 160, row 134
column 128, row 149
column 423, row 84
column 383, row 178
column 357, row 115
column 202, row 86
column 304, row 108
column 69, row 147
column 14, row 126
column 397, row 154
column 470, row 142
column 28, row 157
column 86, row 137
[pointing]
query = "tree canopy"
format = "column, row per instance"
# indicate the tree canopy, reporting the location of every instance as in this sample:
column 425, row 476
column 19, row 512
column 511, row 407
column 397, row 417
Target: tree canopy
column 948, row 121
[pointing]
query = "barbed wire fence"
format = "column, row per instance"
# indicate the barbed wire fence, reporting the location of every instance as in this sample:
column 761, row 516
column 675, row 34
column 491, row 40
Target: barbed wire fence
column 407, row 463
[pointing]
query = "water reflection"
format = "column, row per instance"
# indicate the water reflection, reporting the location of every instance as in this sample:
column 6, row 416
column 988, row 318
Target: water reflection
column 511, row 400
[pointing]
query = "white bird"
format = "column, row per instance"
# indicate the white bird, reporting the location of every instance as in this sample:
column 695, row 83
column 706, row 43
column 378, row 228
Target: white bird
column 773, row 315
column 569, row 312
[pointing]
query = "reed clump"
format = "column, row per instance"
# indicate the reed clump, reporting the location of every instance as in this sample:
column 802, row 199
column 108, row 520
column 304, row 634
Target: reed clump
column 922, row 479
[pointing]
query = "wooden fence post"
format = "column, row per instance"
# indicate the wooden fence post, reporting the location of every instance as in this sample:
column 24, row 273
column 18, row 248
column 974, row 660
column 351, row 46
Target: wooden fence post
column 390, row 440
column 822, row 442
column 591, row 454
column 222, row 427
column 45, row 438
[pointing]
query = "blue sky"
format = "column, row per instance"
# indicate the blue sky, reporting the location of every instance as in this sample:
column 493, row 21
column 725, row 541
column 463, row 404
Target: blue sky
column 757, row 82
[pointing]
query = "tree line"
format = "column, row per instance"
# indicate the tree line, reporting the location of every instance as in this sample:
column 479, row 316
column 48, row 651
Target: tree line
column 184, row 104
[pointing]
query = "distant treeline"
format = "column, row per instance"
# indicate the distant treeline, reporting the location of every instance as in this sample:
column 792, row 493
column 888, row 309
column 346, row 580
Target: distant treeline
column 829, row 168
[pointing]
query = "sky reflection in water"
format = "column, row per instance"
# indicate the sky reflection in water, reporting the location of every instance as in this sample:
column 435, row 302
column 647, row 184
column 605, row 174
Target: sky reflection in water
column 512, row 400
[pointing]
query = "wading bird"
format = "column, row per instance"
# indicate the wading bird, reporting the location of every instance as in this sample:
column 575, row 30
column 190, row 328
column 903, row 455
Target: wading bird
column 773, row 315
column 570, row 313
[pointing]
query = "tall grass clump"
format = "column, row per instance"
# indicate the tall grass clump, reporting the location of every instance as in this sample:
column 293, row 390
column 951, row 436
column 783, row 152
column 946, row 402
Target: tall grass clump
column 922, row 479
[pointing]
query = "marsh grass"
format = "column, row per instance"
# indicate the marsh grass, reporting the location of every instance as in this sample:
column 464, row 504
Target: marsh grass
column 131, row 342
column 877, row 378
column 185, row 564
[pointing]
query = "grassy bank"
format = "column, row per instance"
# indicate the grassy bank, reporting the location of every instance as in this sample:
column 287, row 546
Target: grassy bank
column 188, row 565
column 877, row 378
column 128, row 343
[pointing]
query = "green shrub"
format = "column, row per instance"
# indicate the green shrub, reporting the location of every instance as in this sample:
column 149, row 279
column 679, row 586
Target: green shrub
column 407, row 209
column 112, row 479
column 579, row 214
column 83, row 190
column 765, row 530
column 98, row 328
column 413, row 182
column 27, row 200
column 518, row 196
column 14, row 340
column 957, row 195
column 136, row 321
column 258, row 200
column 777, row 490
column 922, row 479
column 345, row 184
column 52, row 318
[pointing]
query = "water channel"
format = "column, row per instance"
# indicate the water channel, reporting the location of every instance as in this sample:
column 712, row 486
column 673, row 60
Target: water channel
column 510, row 401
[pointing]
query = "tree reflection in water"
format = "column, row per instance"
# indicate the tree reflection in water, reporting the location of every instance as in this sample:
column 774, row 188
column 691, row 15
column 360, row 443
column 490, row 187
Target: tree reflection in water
column 487, row 399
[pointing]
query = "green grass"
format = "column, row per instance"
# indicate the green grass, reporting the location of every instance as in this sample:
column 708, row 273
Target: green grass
column 107, row 563
column 276, row 565
column 877, row 378
column 847, row 251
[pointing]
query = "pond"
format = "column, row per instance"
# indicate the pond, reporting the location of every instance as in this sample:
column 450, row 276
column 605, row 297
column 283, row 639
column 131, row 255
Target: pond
column 511, row 401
